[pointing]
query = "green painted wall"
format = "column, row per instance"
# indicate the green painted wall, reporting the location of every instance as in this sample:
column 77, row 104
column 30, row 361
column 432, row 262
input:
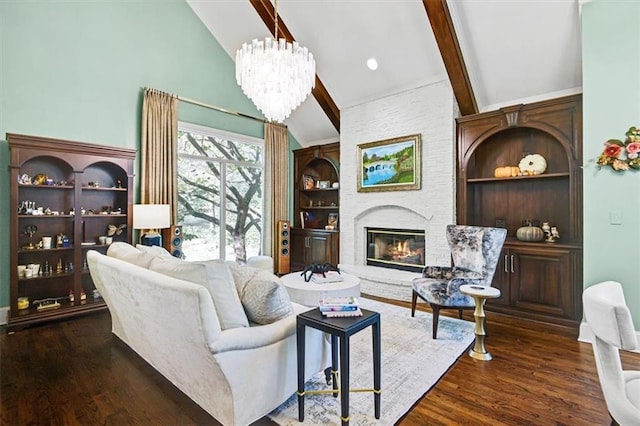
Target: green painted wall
column 611, row 85
column 75, row 69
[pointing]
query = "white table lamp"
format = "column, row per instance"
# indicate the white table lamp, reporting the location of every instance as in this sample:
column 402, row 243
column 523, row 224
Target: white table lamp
column 149, row 218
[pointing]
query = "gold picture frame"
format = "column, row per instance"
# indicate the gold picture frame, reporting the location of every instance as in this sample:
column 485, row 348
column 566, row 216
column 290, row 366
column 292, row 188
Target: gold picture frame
column 390, row 164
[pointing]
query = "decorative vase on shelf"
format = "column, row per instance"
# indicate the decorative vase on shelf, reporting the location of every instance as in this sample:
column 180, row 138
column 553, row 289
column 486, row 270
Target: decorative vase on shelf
column 529, row 233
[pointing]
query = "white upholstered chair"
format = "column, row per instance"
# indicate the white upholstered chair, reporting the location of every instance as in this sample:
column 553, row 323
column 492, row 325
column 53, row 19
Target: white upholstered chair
column 609, row 318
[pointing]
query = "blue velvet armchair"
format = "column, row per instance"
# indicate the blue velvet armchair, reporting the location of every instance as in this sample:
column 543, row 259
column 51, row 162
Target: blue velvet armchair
column 475, row 252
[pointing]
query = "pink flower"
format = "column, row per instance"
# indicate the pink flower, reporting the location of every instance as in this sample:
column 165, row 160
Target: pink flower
column 633, row 148
column 612, row 150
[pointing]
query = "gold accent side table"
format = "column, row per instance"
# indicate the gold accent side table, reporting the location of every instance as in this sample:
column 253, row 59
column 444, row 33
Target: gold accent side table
column 480, row 294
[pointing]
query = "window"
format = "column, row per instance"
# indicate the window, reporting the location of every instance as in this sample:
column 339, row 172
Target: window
column 220, row 193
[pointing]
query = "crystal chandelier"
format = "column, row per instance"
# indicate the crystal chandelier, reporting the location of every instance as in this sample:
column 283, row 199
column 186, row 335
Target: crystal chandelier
column 277, row 76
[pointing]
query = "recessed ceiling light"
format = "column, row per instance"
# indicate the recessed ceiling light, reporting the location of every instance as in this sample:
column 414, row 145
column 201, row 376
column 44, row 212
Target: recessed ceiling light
column 372, row 64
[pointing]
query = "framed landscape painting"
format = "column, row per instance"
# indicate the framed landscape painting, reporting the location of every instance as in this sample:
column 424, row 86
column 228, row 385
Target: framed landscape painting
column 390, row 164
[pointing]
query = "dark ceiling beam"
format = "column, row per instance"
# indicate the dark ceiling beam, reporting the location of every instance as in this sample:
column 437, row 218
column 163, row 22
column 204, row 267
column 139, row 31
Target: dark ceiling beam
column 267, row 12
column 443, row 30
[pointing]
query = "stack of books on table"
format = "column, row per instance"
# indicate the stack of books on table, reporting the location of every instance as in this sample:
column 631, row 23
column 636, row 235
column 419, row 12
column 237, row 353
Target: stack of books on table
column 332, row 307
column 327, row 277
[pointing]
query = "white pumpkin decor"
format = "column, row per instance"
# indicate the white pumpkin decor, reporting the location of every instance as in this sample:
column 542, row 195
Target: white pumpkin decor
column 533, row 164
column 529, row 233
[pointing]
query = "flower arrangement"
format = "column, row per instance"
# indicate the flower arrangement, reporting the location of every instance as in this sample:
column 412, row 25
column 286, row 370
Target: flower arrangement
column 621, row 155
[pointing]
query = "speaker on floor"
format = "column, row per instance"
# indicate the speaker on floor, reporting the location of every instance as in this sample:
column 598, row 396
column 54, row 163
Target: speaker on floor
column 284, row 247
column 172, row 240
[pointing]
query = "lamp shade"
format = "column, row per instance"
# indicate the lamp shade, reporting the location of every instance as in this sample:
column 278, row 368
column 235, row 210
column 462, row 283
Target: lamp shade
column 151, row 216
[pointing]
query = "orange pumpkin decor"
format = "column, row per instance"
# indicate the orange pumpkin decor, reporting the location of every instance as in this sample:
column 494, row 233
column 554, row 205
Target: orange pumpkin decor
column 506, row 171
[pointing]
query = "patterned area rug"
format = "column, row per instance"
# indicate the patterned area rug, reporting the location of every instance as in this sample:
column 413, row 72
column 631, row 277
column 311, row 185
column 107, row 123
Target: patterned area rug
column 412, row 362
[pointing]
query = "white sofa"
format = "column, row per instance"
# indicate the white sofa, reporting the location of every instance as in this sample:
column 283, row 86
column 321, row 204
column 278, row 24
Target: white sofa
column 237, row 375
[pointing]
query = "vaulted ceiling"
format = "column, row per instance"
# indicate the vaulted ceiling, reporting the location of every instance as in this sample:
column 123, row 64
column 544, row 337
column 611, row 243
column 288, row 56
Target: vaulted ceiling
column 493, row 52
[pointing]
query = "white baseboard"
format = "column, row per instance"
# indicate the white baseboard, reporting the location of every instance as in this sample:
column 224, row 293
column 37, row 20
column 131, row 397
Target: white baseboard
column 586, row 335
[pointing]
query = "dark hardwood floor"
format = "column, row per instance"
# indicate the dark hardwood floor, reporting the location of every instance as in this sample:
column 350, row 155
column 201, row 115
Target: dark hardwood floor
column 74, row 372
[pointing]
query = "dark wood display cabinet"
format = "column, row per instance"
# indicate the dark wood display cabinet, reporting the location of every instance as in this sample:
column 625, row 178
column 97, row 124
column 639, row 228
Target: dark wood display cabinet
column 70, row 194
column 313, row 246
column 316, row 205
column 539, row 280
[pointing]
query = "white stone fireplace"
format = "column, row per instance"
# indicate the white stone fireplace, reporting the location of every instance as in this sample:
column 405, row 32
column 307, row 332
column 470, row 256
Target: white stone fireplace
column 428, row 110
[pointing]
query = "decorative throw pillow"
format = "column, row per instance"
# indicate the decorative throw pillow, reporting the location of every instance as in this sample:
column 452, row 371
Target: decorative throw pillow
column 466, row 247
column 264, row 298
column 215, row 277
column 128, row 253
column 153, row 250
column 241, row 274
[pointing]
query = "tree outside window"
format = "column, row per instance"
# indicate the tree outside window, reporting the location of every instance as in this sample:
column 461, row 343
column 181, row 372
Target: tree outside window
column 220, row 194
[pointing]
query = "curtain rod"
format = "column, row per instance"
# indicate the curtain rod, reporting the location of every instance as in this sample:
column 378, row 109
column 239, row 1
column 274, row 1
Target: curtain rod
column 215, row 108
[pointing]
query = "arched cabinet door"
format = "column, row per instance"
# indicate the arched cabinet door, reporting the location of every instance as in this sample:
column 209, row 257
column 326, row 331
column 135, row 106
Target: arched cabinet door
column 498, row 139
column 65, row 195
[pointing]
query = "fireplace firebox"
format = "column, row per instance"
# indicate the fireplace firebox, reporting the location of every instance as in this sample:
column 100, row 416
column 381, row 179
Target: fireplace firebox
column 402, row 249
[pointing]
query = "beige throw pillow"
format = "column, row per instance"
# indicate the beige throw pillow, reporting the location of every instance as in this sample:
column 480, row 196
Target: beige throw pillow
column 154, row 250
column 264, row 298
column 128, row 253
column 215, row 277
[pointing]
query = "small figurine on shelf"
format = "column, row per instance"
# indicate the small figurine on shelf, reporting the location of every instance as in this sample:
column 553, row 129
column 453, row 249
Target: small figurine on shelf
column 72, row 297
column 115, row 229
column 59, row 268
column 30, row 230
column 118, row 184
column 83, row 296
column 551, row 232
column 24, row 179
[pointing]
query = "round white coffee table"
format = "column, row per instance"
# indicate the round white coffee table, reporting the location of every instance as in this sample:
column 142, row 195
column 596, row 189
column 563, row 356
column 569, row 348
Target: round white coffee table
column 310, row 293
column 480, row 294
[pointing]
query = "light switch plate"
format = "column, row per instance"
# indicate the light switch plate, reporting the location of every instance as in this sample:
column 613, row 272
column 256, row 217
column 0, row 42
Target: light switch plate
column 615, row 217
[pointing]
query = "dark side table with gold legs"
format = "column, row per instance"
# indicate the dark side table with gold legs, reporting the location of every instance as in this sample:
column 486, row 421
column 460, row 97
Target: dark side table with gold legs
column 340, row 329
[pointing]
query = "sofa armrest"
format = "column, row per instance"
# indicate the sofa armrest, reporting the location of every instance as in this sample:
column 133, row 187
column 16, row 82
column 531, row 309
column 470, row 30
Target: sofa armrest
column 242, row 338
column 257, row 335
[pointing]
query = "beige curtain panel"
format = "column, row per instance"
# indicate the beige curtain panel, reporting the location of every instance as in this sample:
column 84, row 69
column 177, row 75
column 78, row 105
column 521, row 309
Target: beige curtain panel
column 276, row 180
column 159, row 161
